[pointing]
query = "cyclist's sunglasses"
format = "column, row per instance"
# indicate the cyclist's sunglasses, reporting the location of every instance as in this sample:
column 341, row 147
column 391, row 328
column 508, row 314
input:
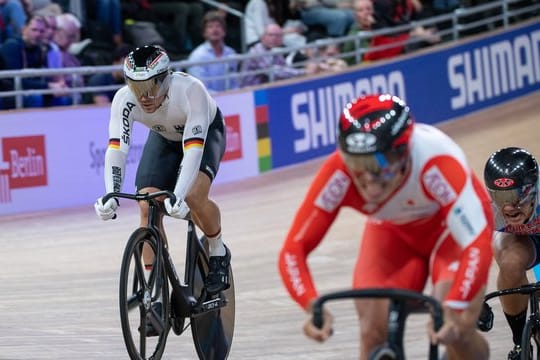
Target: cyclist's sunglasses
column 515, row 197
column 382, row 166
column 151, row 88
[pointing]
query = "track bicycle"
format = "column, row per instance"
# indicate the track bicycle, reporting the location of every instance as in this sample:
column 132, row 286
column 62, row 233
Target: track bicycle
column 531, row 332
column 402, row 304
column 153, row 299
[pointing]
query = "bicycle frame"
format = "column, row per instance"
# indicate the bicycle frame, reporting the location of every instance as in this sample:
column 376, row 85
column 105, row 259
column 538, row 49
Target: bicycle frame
column 532, row 325
column 400, row 308
column 161, row 301
column 185, row 304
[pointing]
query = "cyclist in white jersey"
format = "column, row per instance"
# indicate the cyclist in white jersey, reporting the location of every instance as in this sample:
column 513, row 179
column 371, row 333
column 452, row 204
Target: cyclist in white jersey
column 511, row 176
column 183, row 151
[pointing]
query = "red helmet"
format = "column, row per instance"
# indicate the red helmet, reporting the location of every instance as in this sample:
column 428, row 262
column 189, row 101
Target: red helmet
column 374, row 133
column 374, row 123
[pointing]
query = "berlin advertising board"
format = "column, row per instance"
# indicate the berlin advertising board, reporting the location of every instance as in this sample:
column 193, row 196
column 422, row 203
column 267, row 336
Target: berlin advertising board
column 438, row 85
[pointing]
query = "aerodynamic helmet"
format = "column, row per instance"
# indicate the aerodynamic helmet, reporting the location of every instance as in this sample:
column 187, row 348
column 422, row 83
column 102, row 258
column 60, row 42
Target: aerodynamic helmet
column 146, row 70
column 511, row 176
column 374, row 133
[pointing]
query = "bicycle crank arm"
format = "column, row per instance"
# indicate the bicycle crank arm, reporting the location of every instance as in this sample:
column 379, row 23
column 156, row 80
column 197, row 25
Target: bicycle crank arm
column 210, row 305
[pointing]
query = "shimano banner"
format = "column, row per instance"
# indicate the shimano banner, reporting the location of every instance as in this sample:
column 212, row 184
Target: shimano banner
column 438, row 85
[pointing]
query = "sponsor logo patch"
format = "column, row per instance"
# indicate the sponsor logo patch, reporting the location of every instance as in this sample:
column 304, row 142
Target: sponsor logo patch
column 473, row 262
column 438, row 186
column 291, row 264
column 503, row 182
column 333, row 192
column 361, row 143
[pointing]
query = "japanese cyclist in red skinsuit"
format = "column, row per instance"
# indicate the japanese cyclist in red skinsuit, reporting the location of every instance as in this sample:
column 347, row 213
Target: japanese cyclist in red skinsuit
column 511, row 176
column 427, row 215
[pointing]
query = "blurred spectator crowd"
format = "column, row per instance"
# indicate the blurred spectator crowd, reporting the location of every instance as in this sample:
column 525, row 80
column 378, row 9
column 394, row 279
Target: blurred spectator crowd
column 36, row 34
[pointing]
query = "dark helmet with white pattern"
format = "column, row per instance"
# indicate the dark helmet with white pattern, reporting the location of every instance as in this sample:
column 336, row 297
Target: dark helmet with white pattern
column 511, row 176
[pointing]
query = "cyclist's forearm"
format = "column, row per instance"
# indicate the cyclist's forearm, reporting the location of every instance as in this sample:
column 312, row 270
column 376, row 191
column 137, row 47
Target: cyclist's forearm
column 114, row 169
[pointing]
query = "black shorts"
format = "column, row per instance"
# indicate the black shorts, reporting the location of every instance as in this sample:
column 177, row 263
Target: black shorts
column 161, row 158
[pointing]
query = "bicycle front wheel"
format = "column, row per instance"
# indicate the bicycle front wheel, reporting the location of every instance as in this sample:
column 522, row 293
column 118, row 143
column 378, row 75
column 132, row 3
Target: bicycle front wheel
column 384, row 352
column 530, row 349
column 144, row 302
column 213, row 330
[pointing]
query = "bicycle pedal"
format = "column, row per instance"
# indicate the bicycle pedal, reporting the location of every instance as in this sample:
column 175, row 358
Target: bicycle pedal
column 485, row 320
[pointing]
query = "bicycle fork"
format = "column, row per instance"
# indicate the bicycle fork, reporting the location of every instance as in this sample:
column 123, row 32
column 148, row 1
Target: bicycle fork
column 397, row 316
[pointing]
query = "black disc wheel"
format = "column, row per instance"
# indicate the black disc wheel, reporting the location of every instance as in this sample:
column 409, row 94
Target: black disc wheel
column 144, row 301
column 213, row 330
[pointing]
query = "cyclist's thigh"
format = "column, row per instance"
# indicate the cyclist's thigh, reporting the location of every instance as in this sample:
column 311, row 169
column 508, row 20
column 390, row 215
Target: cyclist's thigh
column 198, row 194
column 159, row 163
column 386, row 260
column 535, row 240
column 513, row 251
column 214, row 147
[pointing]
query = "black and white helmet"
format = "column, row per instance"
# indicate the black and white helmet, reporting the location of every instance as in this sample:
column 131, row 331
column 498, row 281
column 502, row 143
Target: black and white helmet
column 146, row 70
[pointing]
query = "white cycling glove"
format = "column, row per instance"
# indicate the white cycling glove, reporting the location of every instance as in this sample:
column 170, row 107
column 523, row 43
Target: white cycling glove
column 179, row 210
column 106, row 211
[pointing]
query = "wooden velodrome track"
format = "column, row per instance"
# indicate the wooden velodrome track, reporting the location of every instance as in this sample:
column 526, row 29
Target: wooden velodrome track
column 60, row 269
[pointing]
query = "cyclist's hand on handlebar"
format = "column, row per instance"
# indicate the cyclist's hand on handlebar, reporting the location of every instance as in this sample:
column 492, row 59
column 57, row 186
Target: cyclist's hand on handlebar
column 457, row 325
column 106, row 211
column 323, row 333
column 177, row 210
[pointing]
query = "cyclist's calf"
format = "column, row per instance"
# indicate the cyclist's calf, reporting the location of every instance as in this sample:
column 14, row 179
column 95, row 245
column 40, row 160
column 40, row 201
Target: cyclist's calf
column 373, row 316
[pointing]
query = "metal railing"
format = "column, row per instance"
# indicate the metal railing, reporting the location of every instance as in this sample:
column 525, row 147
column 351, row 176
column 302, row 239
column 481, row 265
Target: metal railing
column 501, row 15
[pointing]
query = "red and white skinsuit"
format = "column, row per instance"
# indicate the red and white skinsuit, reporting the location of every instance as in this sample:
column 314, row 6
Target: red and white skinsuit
column 438, row 222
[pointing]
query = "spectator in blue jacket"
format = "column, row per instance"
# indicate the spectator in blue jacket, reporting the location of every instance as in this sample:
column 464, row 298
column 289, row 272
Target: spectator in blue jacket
column 12, row 20
column 28, row 53
column 214, row 48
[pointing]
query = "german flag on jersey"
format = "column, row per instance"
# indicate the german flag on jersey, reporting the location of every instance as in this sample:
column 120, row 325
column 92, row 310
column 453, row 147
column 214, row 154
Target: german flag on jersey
column 114, row 144
column 193, row 143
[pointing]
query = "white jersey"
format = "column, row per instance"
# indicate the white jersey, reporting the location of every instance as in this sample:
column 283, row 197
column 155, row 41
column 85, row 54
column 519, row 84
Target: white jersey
column 185, row 115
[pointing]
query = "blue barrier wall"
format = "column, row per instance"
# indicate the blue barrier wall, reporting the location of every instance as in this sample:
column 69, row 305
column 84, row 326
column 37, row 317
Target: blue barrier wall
column 438, row 85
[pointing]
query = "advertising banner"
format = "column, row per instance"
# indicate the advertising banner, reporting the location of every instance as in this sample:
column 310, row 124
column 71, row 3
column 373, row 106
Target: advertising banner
column 438, row 85
column 54, row 158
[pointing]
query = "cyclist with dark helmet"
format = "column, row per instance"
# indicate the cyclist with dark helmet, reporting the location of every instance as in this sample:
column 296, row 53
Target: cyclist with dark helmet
column 511, row 177
column 427, row 216
column 185, row 145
